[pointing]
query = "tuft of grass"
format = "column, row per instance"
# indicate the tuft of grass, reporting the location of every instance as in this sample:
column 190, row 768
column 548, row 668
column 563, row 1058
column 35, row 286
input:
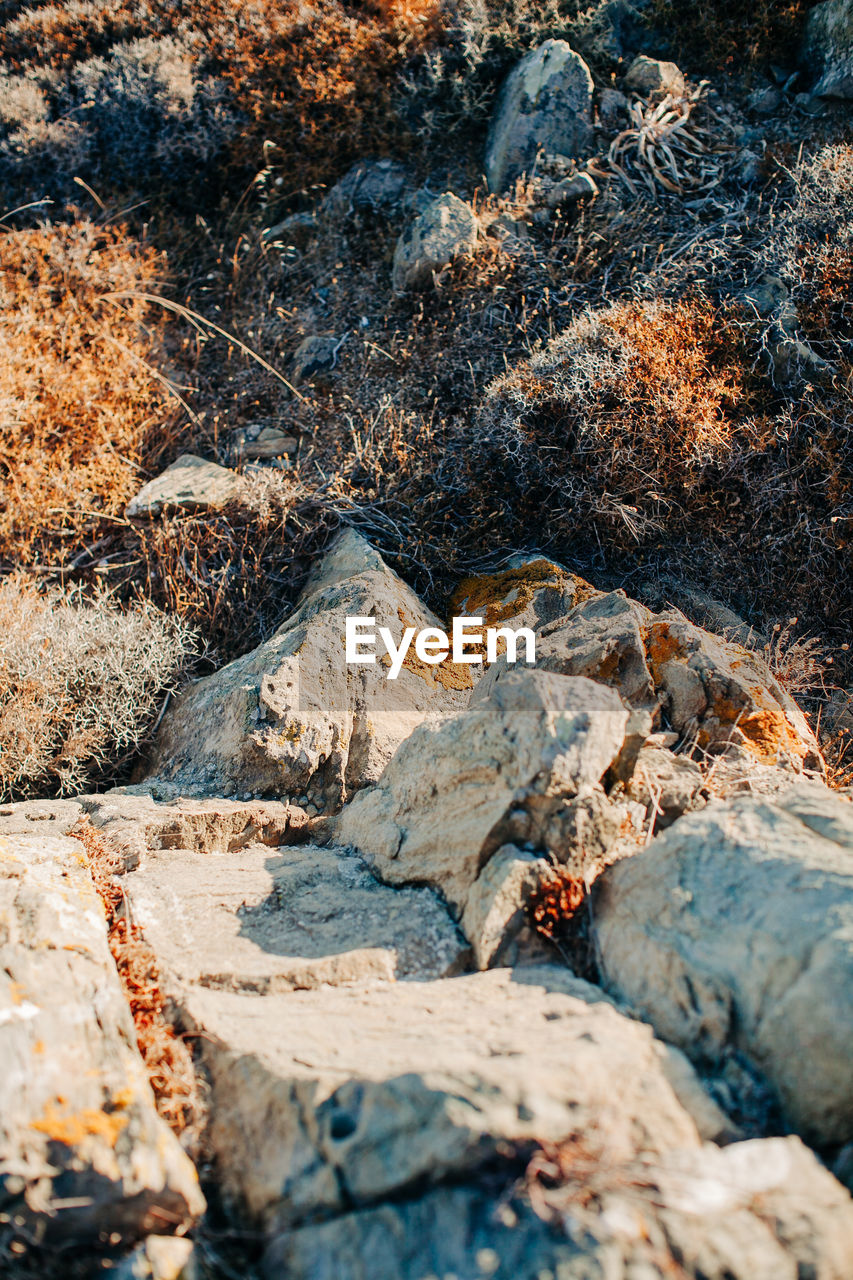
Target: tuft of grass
column 81, row 683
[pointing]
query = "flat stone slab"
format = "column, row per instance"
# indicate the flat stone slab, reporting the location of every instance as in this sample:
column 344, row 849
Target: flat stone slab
column 82, row 1149
column 189, row 484
column 271, row 920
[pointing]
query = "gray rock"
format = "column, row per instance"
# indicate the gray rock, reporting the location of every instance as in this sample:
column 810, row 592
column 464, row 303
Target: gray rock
column 759, row 1210
column 494, row 915
column 665, row 782
column 369, row 185
column 530, row 592
column 735, row 927
column 189, row 484
column 441, row 808
column 266, row 921
column 82, row 1149
column 613, row 108
column 828, row 48
column 447, row 229
column 545, row 103
column 315, row 354
column 650, row 77
column 261, row 440
column 292, row 715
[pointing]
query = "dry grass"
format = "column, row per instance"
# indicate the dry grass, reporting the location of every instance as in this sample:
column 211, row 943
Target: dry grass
column 80, row 685
column 167, row 1057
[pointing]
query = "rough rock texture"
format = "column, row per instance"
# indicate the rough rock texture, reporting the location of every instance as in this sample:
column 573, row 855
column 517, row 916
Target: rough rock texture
column 648, row 76
column 324, row 1100
column 189, row 484
column 494, row 916
column 736, row 927
column 759, row 1210
column 81, row 1145
column 270, row 920
column 315, row 354
column 367, row 186
column 529, row 593
column 447, row 229
column 828, row 48
column 291, row 717
column 454, row 792
column 545, row 103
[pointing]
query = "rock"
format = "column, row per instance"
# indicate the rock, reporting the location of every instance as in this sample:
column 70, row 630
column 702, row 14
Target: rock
column 758, row 1210
column 828, row 48
column 665, row 782
column 189, row 484
column 265, row 921
column 159, row 1258
column 327, row 1100
column 82, row 1149
column 766, row 101
column 545, row 103
column 494, row 915
column 443, row 805
column 447, row 229
column 296, row 230
column 292, row 716
column 367, row 186
column 794, row 361
column 609, row 32
column 735, row 927
column 649, row 77
column 315, row 354
column 529, row 593
column 260, row 441
column 613, row 109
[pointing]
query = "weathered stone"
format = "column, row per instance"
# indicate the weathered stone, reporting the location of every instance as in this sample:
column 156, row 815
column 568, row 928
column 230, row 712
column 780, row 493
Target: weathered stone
column 337, row 1098
column 648, row 77
column 189, row 484
column 262, row 441
column 665, row 782
column 447, row 229
column 82, row 1149
column 545, row 103
column 368, row 185
column 494, row 913
column 613, row 108
column 292, row 716
column 440, row 809
column 271, row 920
column 759, row 1210
column 828, row 48
column 735, row 927
column 530, row 593
column 159, row 1258
column 315, row 354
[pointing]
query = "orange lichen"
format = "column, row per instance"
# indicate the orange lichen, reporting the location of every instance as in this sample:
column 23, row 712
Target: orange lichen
column 90, row 1122
column 496, row 597
column 764, row 726
column 661, row 647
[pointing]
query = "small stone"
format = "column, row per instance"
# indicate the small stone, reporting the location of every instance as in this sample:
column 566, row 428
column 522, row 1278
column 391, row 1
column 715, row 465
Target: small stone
column 650, row 77
column 315, row 354
column 189, row 484
column 447, row 229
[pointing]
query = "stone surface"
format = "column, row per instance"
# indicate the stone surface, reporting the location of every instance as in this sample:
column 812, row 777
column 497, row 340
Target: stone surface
column 529, row 593
column 447, row 229
column 665, row 782
column 263, row 441
column 545, row 103
column 189, row 484
column 735, row 927
column 292, row 717
column 451, row 794
column 649, row 76
column 82, row 1148
column 266, row 920
column 315, row 354
column 828, row 48
column 325, row 1100
column 368, row 186
column 759, row 1210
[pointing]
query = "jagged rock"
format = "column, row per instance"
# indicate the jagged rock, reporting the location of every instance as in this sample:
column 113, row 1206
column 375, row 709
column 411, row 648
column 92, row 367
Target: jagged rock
column 267, row 920
column 292, row 717
column 545, row 103
column 447, row 229
column 454, row 792
column 665, row 782
column 315, row 354
column 758, row 1210
column 736, row 927
column 82, row 1149
column 648, row 77
column 368, row 185
column 828, row 48
column 337, row 1098
column 529, row 593
column 494, row 915
column 189, row 484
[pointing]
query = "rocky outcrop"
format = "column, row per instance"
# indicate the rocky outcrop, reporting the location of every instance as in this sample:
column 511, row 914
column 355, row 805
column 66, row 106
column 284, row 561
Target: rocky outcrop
column 545, row 104
column 189, row 484
column 828, row 48
column 735, row 928
column 447, row 229
column 292, row 718
column 83, row 1152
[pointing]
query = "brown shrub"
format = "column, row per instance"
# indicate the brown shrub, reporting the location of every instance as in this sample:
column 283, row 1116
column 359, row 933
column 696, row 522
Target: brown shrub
column 84, row 411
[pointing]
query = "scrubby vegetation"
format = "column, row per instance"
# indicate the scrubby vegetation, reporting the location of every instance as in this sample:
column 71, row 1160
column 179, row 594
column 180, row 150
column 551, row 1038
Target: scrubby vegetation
column 650, row 382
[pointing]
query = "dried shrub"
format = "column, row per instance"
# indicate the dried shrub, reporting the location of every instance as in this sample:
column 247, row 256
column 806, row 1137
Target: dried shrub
column 83, row 408
column 559, row 911
column 80, row 685
column 715, row 34
column 167, row 1057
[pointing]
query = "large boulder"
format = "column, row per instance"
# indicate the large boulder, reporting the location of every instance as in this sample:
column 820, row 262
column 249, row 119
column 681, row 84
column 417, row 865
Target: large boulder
column 292, row 718
column 545, row 103
column 447, row 229
column 735, row 929
column 501, row 771
column 828, row 48
column 83, row 1153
